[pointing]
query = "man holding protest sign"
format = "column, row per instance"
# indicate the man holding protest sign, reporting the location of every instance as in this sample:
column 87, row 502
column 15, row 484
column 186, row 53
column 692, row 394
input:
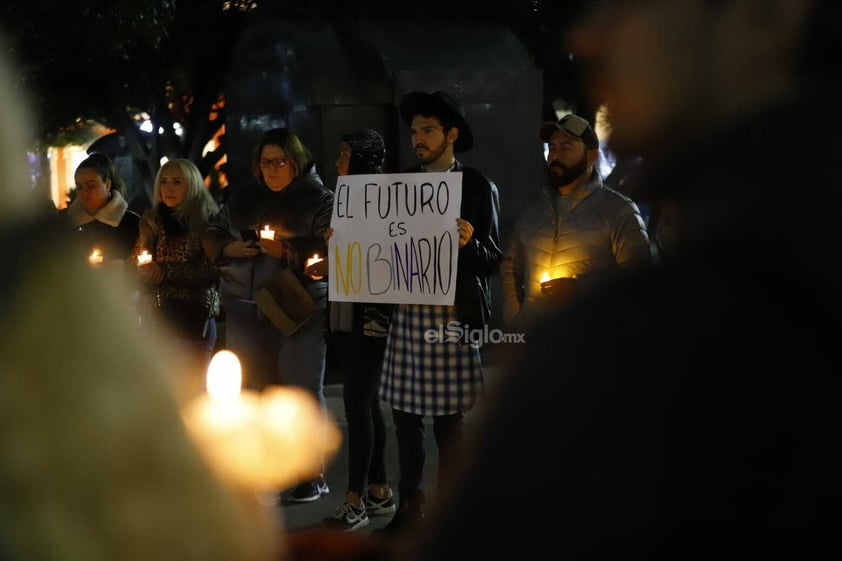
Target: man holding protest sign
column 425, row 374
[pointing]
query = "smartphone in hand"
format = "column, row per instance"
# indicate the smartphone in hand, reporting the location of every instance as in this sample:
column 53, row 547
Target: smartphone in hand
column 249, row 235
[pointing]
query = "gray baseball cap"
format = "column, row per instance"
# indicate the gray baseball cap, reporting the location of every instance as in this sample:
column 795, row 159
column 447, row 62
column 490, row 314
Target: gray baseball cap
column 573, row 125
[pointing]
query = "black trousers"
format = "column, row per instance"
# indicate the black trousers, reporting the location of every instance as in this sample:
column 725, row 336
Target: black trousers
column 361, row 360
column 412, row 450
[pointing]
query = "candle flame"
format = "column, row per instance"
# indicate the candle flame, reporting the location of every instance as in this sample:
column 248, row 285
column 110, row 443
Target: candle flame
column 545, row 277
column 96, row 257
column 312, row 260
column 225, row 376
column 266, row 233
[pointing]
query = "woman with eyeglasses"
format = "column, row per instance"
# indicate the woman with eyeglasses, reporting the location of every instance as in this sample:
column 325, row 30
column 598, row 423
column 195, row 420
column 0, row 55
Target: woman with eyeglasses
column 263, row 241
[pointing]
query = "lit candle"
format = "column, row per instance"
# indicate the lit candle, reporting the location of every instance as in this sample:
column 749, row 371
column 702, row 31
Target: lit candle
column 560, row 289
column 267, row 234
column 267, row 440
column 143, row 258
column 312, row 261
column 545, row 277
column 95, row 258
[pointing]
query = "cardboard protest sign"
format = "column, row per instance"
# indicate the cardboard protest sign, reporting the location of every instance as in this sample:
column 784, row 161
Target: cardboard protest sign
column 395, row 238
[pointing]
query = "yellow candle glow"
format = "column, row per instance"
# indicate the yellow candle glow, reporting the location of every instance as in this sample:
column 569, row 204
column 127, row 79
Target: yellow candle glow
column 95, row 258
column 267, row 234
column 545, row 277
column 144, row 257
column 312, row 261
column 267, row 440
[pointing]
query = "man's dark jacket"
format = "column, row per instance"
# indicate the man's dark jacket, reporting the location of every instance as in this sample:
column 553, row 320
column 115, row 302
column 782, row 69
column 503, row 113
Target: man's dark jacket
column 481, row 256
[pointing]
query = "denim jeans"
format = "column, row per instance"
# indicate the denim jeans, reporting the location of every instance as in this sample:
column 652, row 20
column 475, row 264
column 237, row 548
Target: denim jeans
column 270, row 357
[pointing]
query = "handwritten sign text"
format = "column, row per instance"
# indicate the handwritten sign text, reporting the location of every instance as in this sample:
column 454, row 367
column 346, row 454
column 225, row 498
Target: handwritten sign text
column 395, row 238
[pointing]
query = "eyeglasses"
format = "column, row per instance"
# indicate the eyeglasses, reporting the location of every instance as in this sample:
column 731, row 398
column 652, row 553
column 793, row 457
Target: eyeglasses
column 273, row 163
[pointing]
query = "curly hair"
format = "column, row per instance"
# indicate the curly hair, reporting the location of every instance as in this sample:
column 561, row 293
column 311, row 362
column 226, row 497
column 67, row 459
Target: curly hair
column 367, row 151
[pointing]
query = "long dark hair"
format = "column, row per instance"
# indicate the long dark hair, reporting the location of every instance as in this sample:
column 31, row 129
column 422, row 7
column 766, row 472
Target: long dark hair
column 105, row 169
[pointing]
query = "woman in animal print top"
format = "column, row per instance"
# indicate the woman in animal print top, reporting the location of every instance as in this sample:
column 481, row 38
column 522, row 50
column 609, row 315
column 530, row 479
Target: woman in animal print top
column 181, row 282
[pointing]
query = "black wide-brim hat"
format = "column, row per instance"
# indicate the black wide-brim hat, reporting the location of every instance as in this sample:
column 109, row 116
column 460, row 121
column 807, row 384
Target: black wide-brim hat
column 439, row 104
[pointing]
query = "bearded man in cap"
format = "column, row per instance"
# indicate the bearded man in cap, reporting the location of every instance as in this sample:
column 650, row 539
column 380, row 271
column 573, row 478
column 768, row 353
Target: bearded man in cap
column 440, row 379
column 579, row 229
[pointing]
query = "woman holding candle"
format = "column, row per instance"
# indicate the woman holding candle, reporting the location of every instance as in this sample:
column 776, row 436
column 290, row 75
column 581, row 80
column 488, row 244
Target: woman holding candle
column 291, row 201
column 100, row 215
column 181, row 279
column 359, row 337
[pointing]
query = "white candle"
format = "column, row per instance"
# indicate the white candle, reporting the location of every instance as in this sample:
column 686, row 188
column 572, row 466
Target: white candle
column 267, row 440
column 267, row 234
column 95, row 258
column 144, row 257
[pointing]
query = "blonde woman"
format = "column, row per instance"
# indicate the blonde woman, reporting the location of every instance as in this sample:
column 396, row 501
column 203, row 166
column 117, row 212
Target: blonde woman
column 181, row 281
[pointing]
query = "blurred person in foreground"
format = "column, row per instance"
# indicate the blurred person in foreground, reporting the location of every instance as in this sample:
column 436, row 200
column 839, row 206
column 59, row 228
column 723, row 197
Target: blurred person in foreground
column 723, row 437
column 95, row 463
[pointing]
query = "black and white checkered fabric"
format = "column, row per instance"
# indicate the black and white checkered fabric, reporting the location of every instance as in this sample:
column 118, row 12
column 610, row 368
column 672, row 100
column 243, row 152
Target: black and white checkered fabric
column 428, row 378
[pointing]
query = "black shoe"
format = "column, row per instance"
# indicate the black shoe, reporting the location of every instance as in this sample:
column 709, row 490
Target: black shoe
column 347, row 518
column 376, row 507
column 409, row 514
column 308, row 491
column 322, row 485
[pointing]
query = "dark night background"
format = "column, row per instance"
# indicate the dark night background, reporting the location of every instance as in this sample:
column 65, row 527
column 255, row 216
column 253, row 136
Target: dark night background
column 107, row 62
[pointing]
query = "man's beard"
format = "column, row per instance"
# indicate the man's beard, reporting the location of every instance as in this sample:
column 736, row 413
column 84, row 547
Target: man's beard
column 434, row 154
column 570, row 174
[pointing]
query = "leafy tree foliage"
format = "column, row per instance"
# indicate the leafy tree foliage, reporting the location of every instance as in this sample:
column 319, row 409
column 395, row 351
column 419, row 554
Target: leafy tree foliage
column 107, row 62
column 80, row 61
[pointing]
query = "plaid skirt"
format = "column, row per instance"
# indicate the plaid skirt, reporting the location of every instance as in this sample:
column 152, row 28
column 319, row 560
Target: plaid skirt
column 424, row 377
